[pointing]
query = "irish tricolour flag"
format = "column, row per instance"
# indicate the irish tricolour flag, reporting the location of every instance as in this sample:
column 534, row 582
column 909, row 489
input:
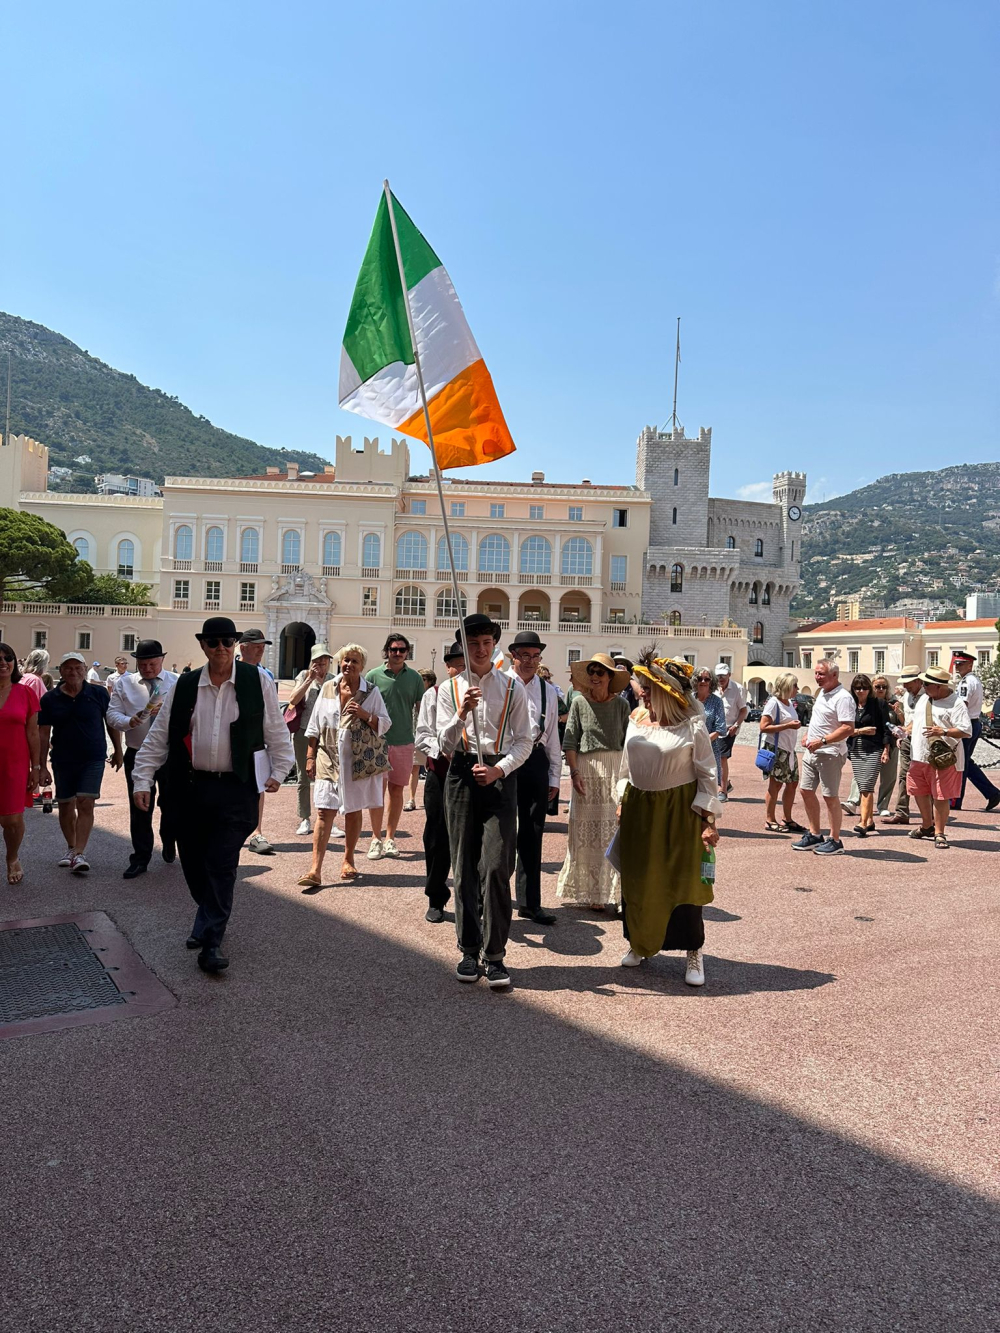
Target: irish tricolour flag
column 377, row 372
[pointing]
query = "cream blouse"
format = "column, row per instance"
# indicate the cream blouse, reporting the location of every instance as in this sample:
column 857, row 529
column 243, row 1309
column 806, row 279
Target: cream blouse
column 658, row 758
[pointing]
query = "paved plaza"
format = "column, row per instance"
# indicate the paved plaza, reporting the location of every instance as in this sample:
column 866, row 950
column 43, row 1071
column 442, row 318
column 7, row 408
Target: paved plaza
column 337, row 1135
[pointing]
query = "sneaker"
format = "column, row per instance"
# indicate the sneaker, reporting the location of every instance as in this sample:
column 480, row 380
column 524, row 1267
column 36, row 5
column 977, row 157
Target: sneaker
column 497, row 976
column 918, row 833
column 259, row 844
column 336, row 832
column 807, row 842
column 376, row 851
column 631, row 959
column 729, row 787
column 304, row 827
column 410, row 805
column 389, row 848
column 468, row 968
column 850, row 806
column 79, row 865
column 829, row 848
column 723, row 796
column 694, row 973
column 67, row 859
column 884, row 814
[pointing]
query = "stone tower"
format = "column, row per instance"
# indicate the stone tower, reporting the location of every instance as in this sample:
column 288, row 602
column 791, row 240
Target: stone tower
column 789, row 491
column 674, row 470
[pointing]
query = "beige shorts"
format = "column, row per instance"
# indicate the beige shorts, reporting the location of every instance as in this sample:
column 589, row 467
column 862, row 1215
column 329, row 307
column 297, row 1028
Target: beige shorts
column 822, row 771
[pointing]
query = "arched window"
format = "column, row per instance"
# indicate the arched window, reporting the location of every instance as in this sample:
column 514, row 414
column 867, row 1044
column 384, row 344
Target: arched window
column 183, row 542
column 445, row 608
column 578, row 557
column 250, row 546
column 411, row 551
column 459, row 551
column 674, row 517
column 214, row 544
column 765, row 599
column 331, row 550
column 126, row 558
column 536, row 556
column 291, row 547
column 494, row 554
column 410, row 601
column 758, row 546
column 755, row 594
column 677, row 476
column 675, row 618
column 82, row 547
column 758, row 632
column 676, row 578
column 730, row 543
column 371, row 551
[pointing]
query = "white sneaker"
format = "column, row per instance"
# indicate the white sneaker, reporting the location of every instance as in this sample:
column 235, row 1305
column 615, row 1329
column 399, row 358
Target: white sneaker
column 695, row 972
column 376, row 851
column 67, row 860
column 79, row 865
column 884, row 814
column 850, row 806
column 304, row 827
column 410, row 805
column 390, row 848
column 338, row 832
column 259, row 844
column 631, row 959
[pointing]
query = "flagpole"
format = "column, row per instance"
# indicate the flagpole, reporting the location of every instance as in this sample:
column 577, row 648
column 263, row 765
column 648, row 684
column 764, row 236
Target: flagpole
column 436, row 469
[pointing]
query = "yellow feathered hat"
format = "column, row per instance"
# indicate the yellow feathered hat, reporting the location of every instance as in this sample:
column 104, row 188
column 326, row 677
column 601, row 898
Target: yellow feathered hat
column 672, row 674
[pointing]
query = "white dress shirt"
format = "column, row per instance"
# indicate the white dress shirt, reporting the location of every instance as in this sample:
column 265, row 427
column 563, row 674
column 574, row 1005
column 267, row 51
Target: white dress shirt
column 549, row 739
column 494, row 685
column 129, row 697
column 425, row 735
column 215, row 711
column 950, row 713
column 735, row 699
column 970, row 688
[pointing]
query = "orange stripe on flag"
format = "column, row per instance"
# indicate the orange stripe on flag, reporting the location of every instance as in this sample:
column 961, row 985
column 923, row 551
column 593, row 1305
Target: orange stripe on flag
column 467, row 421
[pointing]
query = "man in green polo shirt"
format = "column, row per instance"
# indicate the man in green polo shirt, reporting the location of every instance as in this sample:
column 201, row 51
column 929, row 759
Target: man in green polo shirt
column 402, row 688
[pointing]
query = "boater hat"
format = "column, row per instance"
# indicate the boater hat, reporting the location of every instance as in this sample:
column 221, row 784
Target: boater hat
column 908, row 675
column 526, row 638
column 619, row 657
column 936, row 676
column 218, row 627
column 454, row 653
column 146, row 648
column 578, row 674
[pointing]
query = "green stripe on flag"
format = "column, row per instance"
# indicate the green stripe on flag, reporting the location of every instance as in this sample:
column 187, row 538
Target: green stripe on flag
column 377, row 333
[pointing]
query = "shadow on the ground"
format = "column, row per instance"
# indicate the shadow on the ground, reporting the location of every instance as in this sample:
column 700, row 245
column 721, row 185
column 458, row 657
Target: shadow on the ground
column 664, row 975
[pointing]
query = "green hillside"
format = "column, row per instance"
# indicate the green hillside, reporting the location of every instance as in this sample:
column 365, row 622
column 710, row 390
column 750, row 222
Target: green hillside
column 79, row 406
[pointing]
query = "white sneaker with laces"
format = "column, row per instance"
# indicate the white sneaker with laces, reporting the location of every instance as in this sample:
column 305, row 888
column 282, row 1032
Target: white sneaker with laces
column 304, row 827
column 631, row 959
column 390, row 848
column 259, row 844
column 694, row 974
column 79, row 865
column 376, row 851
column 67, row 859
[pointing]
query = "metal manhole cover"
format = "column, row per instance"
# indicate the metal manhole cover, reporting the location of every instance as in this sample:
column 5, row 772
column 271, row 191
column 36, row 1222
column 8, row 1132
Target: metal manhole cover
column 51, row 970
column 67, row 971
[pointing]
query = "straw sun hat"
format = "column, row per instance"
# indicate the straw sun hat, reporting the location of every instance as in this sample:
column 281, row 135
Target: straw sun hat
column 578, row 674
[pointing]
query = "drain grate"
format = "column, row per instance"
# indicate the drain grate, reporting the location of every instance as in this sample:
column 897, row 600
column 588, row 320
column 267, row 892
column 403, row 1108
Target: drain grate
column 46, row 970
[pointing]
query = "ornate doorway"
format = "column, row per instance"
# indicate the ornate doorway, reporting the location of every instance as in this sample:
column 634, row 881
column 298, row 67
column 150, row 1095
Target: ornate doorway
column 294, row 648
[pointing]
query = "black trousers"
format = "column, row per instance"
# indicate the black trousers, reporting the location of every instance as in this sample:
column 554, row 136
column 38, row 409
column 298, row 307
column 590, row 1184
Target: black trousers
column 482, row 827
column 214, row 816
column 532, row 803
column 972, row 772
column 140, row 822
column 437, row 849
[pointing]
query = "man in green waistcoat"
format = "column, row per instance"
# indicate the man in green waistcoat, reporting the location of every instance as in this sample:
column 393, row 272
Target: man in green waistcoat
column 223, row 739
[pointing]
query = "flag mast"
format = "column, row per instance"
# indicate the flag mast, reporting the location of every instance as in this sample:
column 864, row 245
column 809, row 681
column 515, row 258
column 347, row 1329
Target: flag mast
column 437, row 470
column 674, row 423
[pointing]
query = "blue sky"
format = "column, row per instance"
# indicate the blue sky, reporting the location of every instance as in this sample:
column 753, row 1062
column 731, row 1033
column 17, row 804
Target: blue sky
column 813, row 188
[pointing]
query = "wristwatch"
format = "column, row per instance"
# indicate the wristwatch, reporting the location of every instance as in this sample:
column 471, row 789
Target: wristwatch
column 708, row 819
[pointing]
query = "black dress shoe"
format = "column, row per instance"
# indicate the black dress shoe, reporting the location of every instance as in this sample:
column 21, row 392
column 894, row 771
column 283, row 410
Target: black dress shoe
column 435, row 915
column 135, row 869
column 538, row 915
column 193, row 942
column 212, row 959
column 992, row 804
column 169, row 852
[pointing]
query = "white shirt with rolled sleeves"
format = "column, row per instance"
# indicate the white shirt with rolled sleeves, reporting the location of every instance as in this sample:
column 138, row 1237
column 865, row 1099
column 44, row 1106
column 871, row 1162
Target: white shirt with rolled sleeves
column 949, row 712
column 425, row 737
column 550, row 738
column 129, row 697
column 517, row 733
column 831, row 710
column 970, row 690
column 734, row 697
column 215, row 711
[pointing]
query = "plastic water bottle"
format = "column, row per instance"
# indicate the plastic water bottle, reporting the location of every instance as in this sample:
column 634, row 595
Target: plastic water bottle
column 708, row 866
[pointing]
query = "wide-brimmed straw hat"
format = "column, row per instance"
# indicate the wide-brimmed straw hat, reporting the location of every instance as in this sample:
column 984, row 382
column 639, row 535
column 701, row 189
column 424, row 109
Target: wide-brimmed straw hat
column 578, row 673
column 935, row 676
column 672, row 674
column 908, row 675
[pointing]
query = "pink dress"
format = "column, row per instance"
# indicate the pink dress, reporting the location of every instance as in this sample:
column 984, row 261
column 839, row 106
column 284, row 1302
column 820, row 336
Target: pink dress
column 15, row 758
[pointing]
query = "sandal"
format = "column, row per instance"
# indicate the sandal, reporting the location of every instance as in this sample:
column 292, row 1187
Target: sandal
column 942, row 842
column 15, row 873
column 349, row 872
column 790, row 826
column 310, row 881
column 773, row 828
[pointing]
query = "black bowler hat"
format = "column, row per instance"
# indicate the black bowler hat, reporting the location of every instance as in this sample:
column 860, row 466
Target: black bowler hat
column 218, row 627
column 526, row 638
column 253, row 636
column 146, row 648
column 454, row 653
column 477, row 623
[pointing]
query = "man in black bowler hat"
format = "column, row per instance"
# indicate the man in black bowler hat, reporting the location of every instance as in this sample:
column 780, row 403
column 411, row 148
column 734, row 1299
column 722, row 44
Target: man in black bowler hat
column 223, row 739
column 136, row 698
column 538, row 777
column 481, row 798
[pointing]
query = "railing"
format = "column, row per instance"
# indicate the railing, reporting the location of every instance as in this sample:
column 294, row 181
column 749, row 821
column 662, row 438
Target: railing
column 180, row 603
column 446, row 622
column 492, row 576
column 576, row 580
column 331, row 571
column 568, row 626
column 410, row 575
column 290, row 569
column 673, row 631
column 409, row 622
column 213, row 566
column 248, row 566
column 444, row 575
column 182, row 564
column 83, row 609
column 211, row 604
column 131, row 612
column 618, row 587
column 535, row 580
column 248, row 606
column 371, row 572
column 539, row 626
column 370, row 611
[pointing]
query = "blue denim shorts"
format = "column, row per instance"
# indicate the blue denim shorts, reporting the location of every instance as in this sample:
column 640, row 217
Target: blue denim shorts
column 73, row 780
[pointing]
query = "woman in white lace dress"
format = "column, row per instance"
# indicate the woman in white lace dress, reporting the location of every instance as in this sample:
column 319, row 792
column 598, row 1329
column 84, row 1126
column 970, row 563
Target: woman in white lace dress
column 595, row 734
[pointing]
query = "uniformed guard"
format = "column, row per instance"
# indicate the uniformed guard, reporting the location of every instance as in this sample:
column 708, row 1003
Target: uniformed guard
column 481, row 798
column 970, row 688
column 537, row 778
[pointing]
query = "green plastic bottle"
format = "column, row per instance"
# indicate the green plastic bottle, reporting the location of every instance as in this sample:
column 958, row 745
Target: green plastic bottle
column 708, row 866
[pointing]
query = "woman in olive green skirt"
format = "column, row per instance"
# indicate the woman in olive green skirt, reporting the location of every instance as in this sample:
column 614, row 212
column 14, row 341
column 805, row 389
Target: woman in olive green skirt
column 669, row 802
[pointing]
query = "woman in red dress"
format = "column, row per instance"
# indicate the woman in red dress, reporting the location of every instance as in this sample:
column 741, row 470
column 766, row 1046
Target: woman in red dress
column 18, row 757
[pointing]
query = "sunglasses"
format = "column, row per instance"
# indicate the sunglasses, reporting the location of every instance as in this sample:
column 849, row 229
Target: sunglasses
column 704, row 680
column 397, row 652
column 226, row 641
column 597, row 671
column 880, row 687
column 5, row 658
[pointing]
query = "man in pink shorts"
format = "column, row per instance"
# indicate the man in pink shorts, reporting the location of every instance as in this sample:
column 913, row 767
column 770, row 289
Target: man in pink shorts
column 942, row 715
column 402, row 688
